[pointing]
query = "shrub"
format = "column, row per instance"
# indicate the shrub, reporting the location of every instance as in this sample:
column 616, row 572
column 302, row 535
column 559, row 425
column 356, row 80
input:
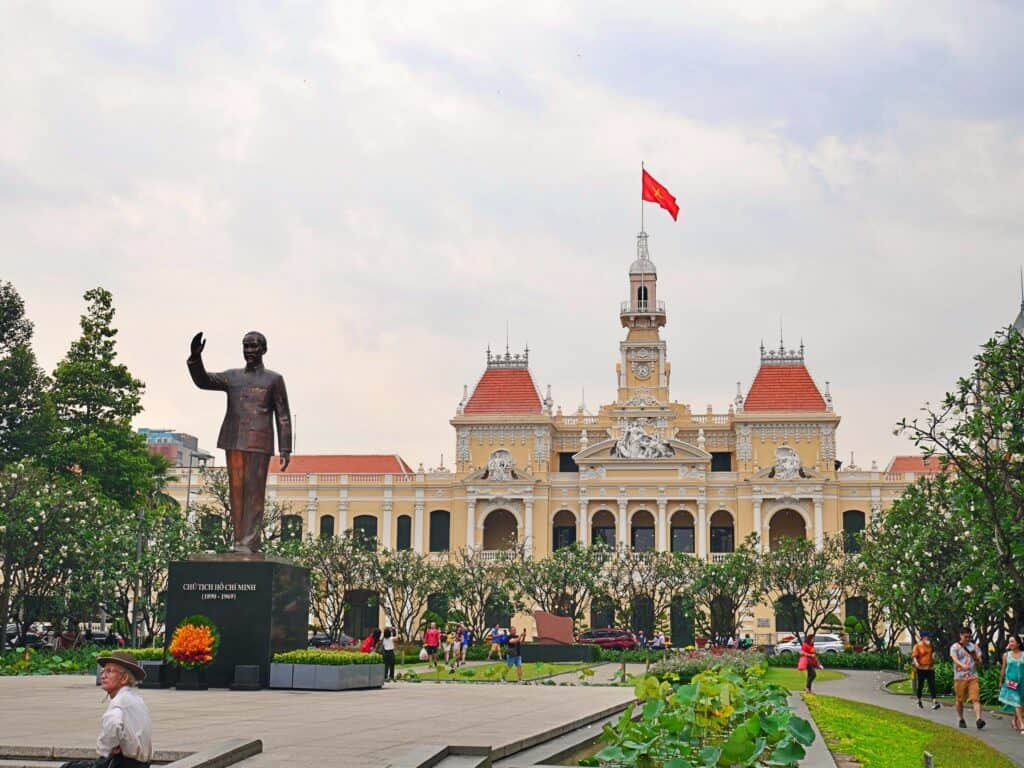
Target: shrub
column 638, row 656
column 682, row 667
column 146, row 654
column 873, row 660
column 327, row 658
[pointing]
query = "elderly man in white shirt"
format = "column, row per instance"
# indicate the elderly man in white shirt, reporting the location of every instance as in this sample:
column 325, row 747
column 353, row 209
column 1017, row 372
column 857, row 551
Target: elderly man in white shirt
column 126, row 732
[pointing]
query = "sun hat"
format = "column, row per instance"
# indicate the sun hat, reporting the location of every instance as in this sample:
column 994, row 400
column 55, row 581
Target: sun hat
column 125, row 660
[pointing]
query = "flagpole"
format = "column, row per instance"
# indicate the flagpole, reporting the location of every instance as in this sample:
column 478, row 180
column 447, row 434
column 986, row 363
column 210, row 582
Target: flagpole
column 641, row 195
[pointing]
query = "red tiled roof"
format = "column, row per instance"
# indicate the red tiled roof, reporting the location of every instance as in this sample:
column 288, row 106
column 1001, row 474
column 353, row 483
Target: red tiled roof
column 783, row 388
column 504, row 390
column 917, row 464
column 351, row 463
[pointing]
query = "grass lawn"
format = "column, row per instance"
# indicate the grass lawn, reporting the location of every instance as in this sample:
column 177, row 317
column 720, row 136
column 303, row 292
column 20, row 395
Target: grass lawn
column 907, row 687
column 494, row 672
column 794, row 679
column 882, row 738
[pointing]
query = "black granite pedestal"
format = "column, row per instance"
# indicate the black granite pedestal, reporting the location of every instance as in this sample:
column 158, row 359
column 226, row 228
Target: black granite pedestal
column 259, row 603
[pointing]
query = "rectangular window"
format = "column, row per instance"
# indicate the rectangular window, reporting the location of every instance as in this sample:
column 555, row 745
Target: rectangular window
column 643, row 539
column 564, row 536
column 565, row 462
column 683, row 540
column 603, row 535
column 721, row 461
column 722, row 540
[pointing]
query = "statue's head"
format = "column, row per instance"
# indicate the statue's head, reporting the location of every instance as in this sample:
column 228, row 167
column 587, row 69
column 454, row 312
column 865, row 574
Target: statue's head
column 254, row 347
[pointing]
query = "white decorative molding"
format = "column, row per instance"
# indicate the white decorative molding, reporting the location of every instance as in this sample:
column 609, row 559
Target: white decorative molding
column 500, row 467
column 828, row 443
column 787, row 463
column 541, row 445
column 744, row 449
column 692, row 471
column 592, row 473
column 641, row 400
column 635, row 443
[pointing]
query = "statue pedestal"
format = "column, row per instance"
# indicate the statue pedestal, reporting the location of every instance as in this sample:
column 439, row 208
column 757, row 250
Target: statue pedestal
column 260, row 605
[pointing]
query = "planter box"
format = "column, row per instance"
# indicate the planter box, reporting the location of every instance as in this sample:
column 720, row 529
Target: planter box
column 324, row 677
column 281, row 675
column 156, row 674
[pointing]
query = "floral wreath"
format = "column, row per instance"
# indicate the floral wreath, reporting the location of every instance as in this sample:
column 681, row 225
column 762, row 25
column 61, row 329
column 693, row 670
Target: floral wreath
column 194, row 643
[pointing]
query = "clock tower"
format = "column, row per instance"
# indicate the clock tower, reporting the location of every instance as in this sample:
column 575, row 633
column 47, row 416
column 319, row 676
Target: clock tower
column 643, row 371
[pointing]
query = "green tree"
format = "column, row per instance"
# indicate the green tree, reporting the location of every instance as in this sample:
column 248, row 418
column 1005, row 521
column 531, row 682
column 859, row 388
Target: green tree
column 723, row 592
column 563, row 582
column 212, row 517
column 818, row 580
column 95, row 399
column 403, row 579
column 337, row 565
column 632, row 578
column 977, row 432
column 475, row 581
column 26, row 418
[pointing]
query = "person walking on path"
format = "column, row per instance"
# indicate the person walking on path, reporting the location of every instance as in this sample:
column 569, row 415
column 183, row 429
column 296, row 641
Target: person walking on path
column 966, row 656
column 431, row 640
column 809, row 661
column 924, row 668
column 126, row 730
column 514, row 652
column 387, row 650
column 1011, row 677
column 467, row 640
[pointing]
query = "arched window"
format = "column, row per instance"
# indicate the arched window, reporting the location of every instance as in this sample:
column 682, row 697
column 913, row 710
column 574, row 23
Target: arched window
column 326, row 526
column 404, row 538
column 440, row 530
column 563, row 529
column 857, row 607
column 365, row 527
column 362, row 615
column 682, row 533
column 853, row 524
column 291, row 528
column 498, row 610
column 602, row 612
column 641, row 533
column 602, row 529
column 641, row 298
column 723, row 538
column 723, row 617
column 437, row 603
column 786, row 522
column 789, row 615
column 681, row 622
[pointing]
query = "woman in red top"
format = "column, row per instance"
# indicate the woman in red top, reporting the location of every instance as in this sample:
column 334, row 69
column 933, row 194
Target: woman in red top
column 809, row 660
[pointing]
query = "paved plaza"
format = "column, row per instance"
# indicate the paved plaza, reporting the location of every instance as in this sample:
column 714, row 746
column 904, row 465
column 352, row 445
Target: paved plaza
column 349, row 728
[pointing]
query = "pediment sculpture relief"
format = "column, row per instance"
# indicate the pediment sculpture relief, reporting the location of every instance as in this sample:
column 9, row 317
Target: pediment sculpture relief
column 635, row 443
column 787, row 464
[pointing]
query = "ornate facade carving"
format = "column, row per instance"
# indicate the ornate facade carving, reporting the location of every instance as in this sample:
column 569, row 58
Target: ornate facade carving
column 788, row 432
column 500, row 467
column 462, row 452
column 541, row 446
column 787, row 464
column 692, row 471
column 744, row 448
column 592, row 473
column 636, row 443
column 641, row 400
column 828, row 443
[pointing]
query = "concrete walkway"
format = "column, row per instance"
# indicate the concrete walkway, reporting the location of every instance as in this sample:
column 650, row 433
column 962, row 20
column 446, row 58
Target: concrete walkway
column 346, row 728
column 869, row 688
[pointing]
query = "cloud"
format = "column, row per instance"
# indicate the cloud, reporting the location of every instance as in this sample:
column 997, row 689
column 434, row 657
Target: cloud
column 381, row 188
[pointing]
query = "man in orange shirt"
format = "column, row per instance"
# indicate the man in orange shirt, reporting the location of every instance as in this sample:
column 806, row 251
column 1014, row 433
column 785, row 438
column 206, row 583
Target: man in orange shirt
column 924, row 668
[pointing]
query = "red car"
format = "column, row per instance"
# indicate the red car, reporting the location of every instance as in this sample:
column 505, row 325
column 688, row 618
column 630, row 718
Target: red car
column 612, row 639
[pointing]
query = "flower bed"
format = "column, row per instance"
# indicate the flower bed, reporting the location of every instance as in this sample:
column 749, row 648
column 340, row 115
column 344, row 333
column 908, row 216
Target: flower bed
column 682, row 667
column 326, row 670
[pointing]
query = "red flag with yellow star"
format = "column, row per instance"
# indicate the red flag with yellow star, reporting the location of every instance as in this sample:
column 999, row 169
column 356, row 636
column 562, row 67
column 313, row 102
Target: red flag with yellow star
column 653, row 192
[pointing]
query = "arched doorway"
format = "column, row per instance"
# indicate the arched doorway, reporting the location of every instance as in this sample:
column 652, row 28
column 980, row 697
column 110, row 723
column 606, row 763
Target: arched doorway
column 723, row 533
column 498, row 610
column 602, row 529
column 723, row 613
column 365, row 528
column 786, row 522
column 853, row 524
column 789, row 615
column 563, row 529
column 602, row 612
column 682, row 530
column 363, row 612
column 681, row 622
column 641, row 532
column 643, row 615
column 440, row 530
column 501, row 531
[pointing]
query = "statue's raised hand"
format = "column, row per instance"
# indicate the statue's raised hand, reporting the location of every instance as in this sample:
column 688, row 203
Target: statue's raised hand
column 198, row 344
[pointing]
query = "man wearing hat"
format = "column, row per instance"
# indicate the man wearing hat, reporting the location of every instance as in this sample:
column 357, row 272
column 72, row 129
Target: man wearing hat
column 924, row 668
column 126, row 732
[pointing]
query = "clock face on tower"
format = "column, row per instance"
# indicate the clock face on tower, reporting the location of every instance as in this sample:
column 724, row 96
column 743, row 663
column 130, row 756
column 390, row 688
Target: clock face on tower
column 643, row 370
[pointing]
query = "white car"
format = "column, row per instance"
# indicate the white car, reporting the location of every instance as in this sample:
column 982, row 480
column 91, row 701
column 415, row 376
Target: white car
column 822, row 644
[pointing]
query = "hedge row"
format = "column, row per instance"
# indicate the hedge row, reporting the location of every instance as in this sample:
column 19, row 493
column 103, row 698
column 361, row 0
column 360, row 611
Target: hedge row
column 327, row 658
column 871, row 660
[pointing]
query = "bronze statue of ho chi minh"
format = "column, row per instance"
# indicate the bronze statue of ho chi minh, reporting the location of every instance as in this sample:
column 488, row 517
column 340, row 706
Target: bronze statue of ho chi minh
column 256, row 398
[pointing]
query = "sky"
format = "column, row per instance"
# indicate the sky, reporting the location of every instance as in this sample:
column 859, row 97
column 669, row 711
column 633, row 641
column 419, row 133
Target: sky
column 382, row 188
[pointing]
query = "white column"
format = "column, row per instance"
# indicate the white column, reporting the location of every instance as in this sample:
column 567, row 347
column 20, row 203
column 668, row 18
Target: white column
column 386, row 539
column 702, row 530
column 528, row 533
column 757, row 525
column 581, row 524
column 417, row 528
column 471, row 523
column 622, row 532
column 819, row 534
column 342, row 516
column 662, row 525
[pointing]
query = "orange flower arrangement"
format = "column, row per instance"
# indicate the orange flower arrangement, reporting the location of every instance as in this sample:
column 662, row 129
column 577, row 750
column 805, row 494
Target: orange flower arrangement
column 194, row 643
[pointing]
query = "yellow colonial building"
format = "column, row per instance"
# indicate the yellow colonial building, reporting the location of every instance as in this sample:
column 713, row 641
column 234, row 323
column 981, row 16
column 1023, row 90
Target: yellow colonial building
column 645, row 472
